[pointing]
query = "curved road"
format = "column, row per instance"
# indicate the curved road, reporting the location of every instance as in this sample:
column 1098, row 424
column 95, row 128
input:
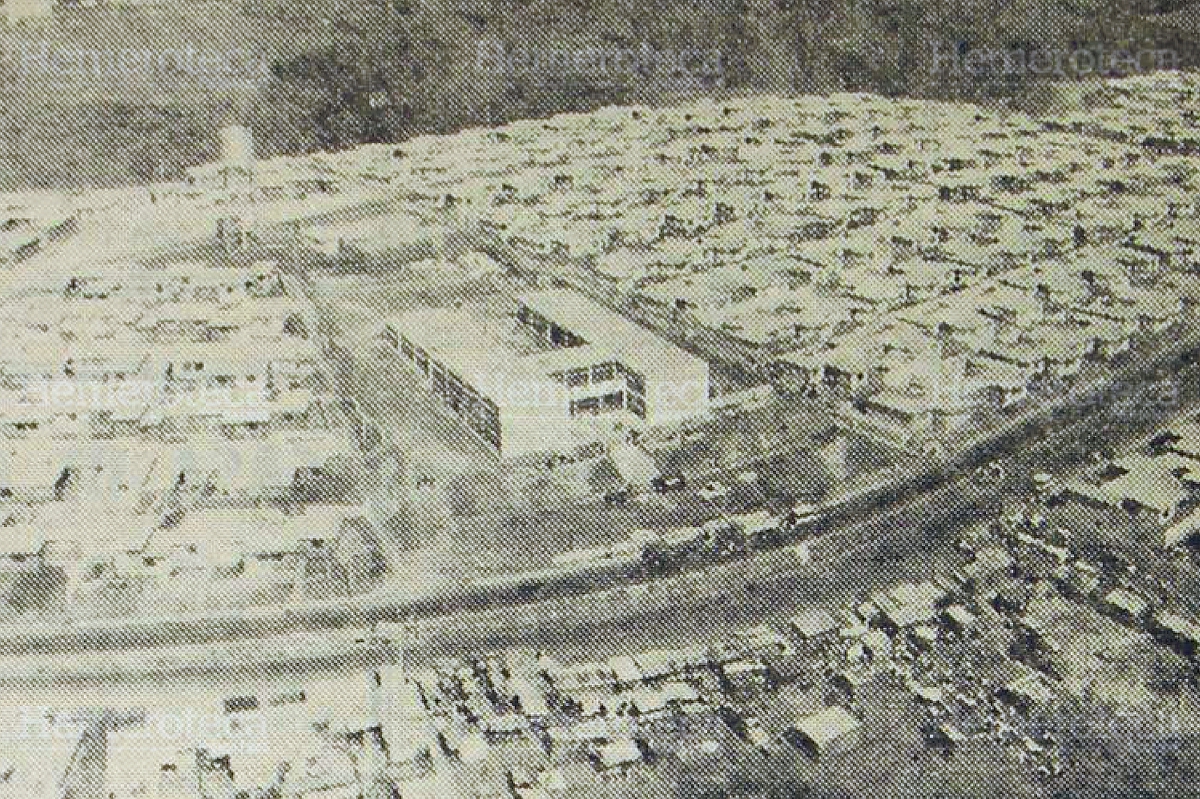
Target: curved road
column 871, row 540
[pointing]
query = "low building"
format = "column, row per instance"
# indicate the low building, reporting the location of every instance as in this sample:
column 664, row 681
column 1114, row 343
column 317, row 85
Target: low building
column 626, row 670
column 744, row 676
column 908, row 604
column 528, row 696
column 554, row 371
column 959, row 619
column 1153, row 495
column 827, row 733
column 1028, row 691
column 263, row 542
column 45, row 755
column 991, row 566
column 26, row 11
column 657, row 664
column 404, row 720
column 813, row 625
column 1178, row 630
column 621, row 753
column 1126, row 605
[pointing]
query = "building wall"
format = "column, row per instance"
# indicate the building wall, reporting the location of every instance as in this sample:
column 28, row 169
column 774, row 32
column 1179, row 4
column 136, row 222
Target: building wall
column 15, row 11
column 525, row 413
column 676, row 391
column 604, row 386
column 525, row 431
column 478, row 411
column 678, row 394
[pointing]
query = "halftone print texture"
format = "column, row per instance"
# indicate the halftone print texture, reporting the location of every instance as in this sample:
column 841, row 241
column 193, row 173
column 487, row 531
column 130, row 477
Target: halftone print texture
column 530, row 400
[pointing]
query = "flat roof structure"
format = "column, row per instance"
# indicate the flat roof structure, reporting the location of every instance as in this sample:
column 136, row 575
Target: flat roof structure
column 1180, row 626
column 66, row 532
column 551, row 370
column 813, row 623
column 600, row 328
column 1154, row 482
column 907, row 604
column 37, row 753
column 831, row 731
column 618, row 754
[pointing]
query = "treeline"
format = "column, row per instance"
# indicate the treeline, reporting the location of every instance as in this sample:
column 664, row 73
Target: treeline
column 346, row 72
column 419, row 66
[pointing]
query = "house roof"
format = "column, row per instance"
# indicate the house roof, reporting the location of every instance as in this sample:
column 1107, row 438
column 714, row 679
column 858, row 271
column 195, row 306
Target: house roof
column 226, row 532
column 812, row 623
column 827, row 726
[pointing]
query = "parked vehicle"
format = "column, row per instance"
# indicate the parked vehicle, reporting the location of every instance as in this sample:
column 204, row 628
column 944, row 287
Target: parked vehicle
column 668, row 482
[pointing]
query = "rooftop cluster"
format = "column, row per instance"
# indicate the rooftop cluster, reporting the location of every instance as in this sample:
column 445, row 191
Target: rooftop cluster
column 161, row 426
column 940, row 258
column 996, row 659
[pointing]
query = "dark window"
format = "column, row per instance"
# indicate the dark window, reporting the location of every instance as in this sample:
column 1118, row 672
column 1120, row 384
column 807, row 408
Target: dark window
column 585, row 407
column 637, row 405
column 605, row 371
column 239, row 704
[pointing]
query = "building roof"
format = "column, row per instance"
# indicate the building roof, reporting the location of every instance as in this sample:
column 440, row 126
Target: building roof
column 227, row 533
column 1188, row 437
column 35, row 754
column 1152, row 481
column 607, row 330
column 812, row 623
column 1031, row 686
column 1179, row 625
column 827, row 726
column 471, row 341
column 480, row 345
column 662, row 662
column 1127, row 602
column 621, row 752
column 909, row 603
column 625, row 668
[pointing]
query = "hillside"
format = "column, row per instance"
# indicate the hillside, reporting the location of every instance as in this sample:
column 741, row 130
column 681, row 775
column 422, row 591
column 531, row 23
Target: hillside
column 333, row 74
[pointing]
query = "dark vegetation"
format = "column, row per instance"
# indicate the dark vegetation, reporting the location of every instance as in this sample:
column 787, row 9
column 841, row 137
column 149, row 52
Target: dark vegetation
column 341, row 73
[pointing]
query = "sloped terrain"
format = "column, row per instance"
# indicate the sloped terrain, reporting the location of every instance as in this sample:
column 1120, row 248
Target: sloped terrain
column 328, row 75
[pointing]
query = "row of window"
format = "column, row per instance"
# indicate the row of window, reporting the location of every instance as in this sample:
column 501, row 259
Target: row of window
column 592, row 406
column 552, row 333
column 603, row 373
column 614, row 401
column 482, row 415
column 479, row 412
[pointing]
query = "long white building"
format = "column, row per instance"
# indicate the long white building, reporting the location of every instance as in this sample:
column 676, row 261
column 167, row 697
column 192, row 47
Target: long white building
column 552, row 371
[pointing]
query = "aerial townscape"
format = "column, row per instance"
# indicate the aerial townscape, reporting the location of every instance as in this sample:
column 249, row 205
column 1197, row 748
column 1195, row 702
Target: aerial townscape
column 762, row 447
